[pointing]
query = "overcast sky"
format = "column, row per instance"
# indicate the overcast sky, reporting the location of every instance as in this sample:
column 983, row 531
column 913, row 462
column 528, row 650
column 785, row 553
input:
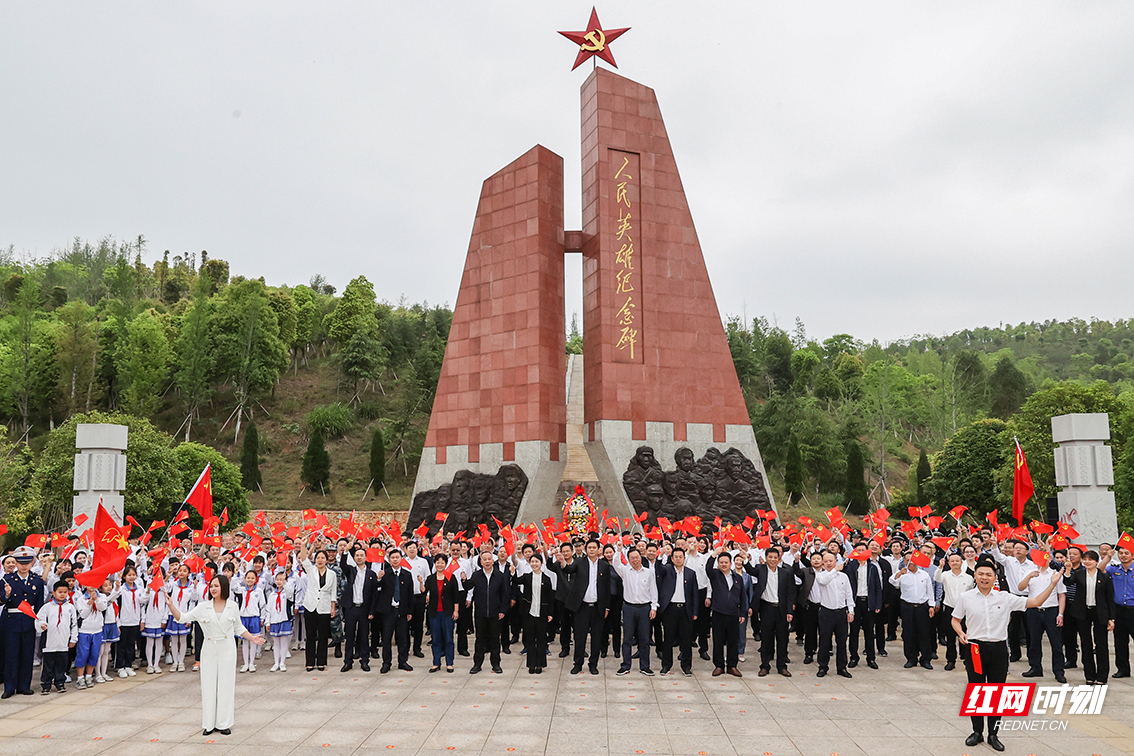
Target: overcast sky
column 882, row 169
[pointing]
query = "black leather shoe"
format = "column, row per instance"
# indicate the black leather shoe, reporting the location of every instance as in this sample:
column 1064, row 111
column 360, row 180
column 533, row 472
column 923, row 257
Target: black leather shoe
column 910, row 665
column 808, row 659
column 206, row 733
column 576, row 669
column 882, row 652
column 593, row 670
column 1120, row 675
column 338, row 652
column 418, row 655
column 975, row 739
column 1061, row 679
column 950, row 666
column 821, row 673
column 225, row 731
column 385, row 668
column 1032, row 673
column 853, row 663
column 474, row 670
column 1070, row 666
column 705, row 655
column 994, row 741
column 347, row 667
column 365, row 666
column 9, row 695
column 564, row 653
column 872, row 664
column 497, row 671
column 463, row 653
column 844, row 673
column 405, row 668
column 664, row 671
column 926, row 665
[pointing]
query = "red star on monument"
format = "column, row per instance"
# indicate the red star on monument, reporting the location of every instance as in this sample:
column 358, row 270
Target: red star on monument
column 594, row 41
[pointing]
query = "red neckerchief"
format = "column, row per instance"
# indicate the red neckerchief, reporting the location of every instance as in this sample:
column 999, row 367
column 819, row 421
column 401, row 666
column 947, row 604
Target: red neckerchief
column 134, row 595
column 248, row 594
column 59, row 621
column 279, row 599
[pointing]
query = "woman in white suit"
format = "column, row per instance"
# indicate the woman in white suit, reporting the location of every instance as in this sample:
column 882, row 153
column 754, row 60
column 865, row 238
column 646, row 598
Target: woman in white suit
column 318, row 606
column 219, row 620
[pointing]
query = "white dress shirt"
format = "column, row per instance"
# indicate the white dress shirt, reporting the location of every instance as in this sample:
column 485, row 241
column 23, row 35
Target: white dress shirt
column 537, row 592
column 986, row 617
column 915, row 587
column 863, row 585
column 590, row 596
column 639, row 586
column 1040, row 582
column 834, row 590
column 1090, row 597
column 954, row 585
column 679, row 587
column 772, row 589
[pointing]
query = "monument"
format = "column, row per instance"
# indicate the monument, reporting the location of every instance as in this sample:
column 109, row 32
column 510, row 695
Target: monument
column 100, row 470
column 1084, row 469
column 658, row 378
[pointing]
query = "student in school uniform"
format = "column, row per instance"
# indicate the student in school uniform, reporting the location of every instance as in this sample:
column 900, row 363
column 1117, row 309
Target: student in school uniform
column 90, row 604
column 251, row 603
column 154, row 620
column 278, row 613
column 442, row 609
column 131, row 607
column 58, row 623
column 110, row 633
column 183, row 594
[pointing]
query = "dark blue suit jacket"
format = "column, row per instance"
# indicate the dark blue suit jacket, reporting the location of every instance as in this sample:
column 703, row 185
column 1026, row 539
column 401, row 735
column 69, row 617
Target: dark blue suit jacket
column 667, row 586
column 734, row 601
column 876, row 580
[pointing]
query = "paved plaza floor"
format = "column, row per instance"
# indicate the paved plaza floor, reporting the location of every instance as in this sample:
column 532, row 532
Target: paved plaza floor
column 888, row 712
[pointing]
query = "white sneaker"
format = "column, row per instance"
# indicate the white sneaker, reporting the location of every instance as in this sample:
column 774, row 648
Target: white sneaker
column 251, row 667
column 243, row 668
column 283, row 667
column 740, row 658
column 288, row 654
column 132, row 673
column 99, row 679
column 303, row 645
column 82, row 683
column 123, row 673
column 169, row 658
column 275, row 668
column 67, row 678
column 157, row 670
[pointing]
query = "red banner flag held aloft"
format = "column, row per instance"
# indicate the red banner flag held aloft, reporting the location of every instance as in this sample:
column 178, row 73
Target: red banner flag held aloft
column 201, row 495
column 1022, row 488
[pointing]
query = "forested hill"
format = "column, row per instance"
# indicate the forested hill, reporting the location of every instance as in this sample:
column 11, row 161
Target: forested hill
column 339, row 386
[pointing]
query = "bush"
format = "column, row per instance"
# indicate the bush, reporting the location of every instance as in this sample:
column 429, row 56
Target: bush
column 331, row 421
column 370, row 410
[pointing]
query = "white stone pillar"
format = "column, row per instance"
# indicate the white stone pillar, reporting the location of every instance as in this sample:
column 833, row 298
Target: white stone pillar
column 100, row 471
column 1084, row 469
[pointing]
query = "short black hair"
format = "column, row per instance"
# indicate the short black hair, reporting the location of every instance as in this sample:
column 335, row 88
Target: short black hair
column 677, row 549
column 223, row 580
column 770, row 549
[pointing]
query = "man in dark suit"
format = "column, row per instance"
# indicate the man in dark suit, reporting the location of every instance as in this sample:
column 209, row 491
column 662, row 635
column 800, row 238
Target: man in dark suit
column 394, row 601
column 587, row 598
column 774, row 594
column 729, row 605
column 868, row 579
column 563, row 616
column 677, row 606
column 360, row 586
column 489, row 597
column 807, row 611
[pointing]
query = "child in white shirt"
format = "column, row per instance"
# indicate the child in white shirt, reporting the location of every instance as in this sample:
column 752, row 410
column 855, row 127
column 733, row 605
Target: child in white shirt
column 155, row 615
column 278, row 617
column 250, row 598
column 59, row 624
column 90, row 604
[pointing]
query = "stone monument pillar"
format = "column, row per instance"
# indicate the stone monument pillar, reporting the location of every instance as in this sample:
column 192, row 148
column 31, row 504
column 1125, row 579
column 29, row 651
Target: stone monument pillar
column 1084, row 469
column 100, row 471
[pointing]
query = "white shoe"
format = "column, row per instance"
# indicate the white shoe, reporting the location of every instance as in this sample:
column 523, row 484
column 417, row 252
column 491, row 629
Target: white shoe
column 303, row 645
column 157, row 670
column 275, row 668
column 251, row 667
column 288, row 654
column 283, row 667
column 149, row 670
column 67, row 678
column 740, row 658
column 132, row 673
column 81, row 684
column 123, row 673
column 169, row 658
column 100, row 679
column 243, row 668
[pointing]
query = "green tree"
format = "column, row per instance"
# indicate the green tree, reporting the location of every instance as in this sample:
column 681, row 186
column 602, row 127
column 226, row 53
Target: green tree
column 250, row 476
column 964, row 469
column 152, row 477
column 306, row 322
column 857, row 497
column 362, row 358
column 18, row 510
column 377, row 458
column 793, row 473
column 1007, row 388
column 355, row 306
column 21, row 374
column 228, row 493
column 316, row 471
column 143, row 364
column 249, row 351
column 76, row 355
column 778, row 363
column 195, row 359
column 920, row 476
column 574, row 338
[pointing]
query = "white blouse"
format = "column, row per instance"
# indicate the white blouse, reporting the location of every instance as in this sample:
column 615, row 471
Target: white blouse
column 319, row 598
column 216, row 627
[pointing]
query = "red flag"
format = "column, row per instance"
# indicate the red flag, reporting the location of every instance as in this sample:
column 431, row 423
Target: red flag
column 882, row 512
column 834, row 515
column 806, row 522
column 921, row 560
column 919, row 511
column 262, row 521
column 1068, row 531
column 934, row 521
column 3, row 529
column 943, row 543
column 441, row 516
column 1059, row 541
column 422, row 531
column 641, row 517
column 991, row 517
column 1022, row 488
column 957, row 512
column 80, row 519
column 181, row 516
column 201, row 494
column 36, row 540
column 309, row 514
column 157, row 582
column 26, row 608
column 451, row 569
column 224, row 515
column 1041, row 558
column 1040, row 527
column 1125, row 542
column 861, row 556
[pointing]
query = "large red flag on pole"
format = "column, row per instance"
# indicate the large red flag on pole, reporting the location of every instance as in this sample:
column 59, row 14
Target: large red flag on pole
column 110, row 550
column 201, row 495
column 1022, row 488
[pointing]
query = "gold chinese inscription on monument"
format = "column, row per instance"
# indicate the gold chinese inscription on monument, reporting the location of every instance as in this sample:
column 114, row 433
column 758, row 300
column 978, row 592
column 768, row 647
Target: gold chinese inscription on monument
column 627, row 281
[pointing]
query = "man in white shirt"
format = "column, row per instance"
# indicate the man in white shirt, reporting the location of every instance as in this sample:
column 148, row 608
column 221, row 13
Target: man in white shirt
column 955, row 581
column 1047, row 618
column 1016, row 565
column 697, row 558
column 916, row 589
column 986, row 614
column 639, row 608
column 836, row 611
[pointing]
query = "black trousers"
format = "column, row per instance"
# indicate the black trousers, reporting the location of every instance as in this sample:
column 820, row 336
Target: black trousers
column 536, row 631
column 417, row 621
column 704, row 621
column 128, row 645
column 589, row 621
column 773, row 635
column 1042, row 622
column 566, row 619
column 356, row 632
column 395, row 629
column 994, row 666
column 55, row 666
column 1070, row 641
column 950, row 635
column 318, row 631
column 892, row 611
column 636, row 628
column 657, row 631
column 487, row 640
column 1096, row 655
column 832, row 623
column 18, row 650
column 678, row 631
column 1017, row 634
column 1123, row 632
column 917, row 633
column 612, row 626
column 464, row 626
column 808, row 619
column 506, row 630
column 726, row 639
column 870, row 624
column 198, row 640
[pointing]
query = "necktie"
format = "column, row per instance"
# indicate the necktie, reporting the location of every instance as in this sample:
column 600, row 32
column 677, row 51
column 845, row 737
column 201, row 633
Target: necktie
column 397, row 587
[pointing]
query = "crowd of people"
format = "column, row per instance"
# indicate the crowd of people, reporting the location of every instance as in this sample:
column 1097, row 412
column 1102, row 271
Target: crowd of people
column 657, row 603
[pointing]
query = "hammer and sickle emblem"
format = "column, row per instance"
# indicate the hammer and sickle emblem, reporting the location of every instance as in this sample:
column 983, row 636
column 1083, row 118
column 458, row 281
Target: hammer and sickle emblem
column 597, row 40
column 115, row 537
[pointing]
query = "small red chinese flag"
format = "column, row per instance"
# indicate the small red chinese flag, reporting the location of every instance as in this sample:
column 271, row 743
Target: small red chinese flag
column 1022, row 488
column 224, row 515
column 1125, row 541
column 36, row 540
column 80, row 519
column 26, row 608
column 943, row 543
column 956, row 512
column 377, row 556
column 974, row 651
column 201, row 495
column 861, row 556
column 452, row 569
column 1066, row 530
column 834, row 515
column 441, row 516
column 921, row 560
column 3, row 529
column 1040, row 527
column 309, row 514
column 1041, row 558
